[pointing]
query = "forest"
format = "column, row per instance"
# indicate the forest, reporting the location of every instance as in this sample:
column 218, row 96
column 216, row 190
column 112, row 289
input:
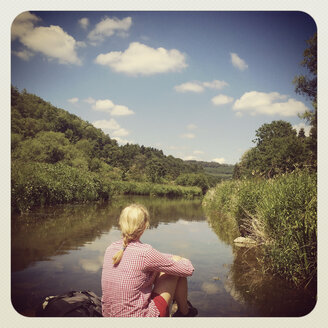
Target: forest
column 58, row 158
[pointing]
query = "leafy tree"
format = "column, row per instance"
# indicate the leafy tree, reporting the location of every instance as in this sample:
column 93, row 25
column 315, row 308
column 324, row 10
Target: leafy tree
column 192, row 179
column 307, row 86
column 278, row 150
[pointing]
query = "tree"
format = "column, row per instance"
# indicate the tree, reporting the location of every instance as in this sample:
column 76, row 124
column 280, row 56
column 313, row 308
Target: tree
column 307, row 86
column 278, row 150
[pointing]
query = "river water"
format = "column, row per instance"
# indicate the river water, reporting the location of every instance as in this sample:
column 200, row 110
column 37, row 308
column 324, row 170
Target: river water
column 58, row 249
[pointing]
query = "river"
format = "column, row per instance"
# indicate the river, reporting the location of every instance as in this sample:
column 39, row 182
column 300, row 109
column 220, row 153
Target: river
column 60, row 248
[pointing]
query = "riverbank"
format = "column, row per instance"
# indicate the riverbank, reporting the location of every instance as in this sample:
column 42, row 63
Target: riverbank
column 280, row 214
column 37, row 184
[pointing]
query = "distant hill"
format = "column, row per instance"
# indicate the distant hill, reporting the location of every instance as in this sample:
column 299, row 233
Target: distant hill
column 42, row 133
column 223, row 171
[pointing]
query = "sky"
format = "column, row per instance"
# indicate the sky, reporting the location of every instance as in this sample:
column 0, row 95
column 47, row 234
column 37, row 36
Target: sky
column 196, row 84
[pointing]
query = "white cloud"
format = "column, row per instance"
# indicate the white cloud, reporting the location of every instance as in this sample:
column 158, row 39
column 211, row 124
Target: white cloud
column 108, row 27
column 187, row 136
column 215, row 84
column 198, row 152
column 143, row 60
column 273, row 103
column 199, row 87
column 112, row 127
column 23, row 54
column 106, row 105
column 220, row 160
column 221, row 100
column 23, row 24
column 238, row 62
column 239, row 114
column 52, row 41
column 302, row 125
column 73, row 100
column 120, row 110
column 189, row 87
column 89, row 100
column 84, row 22
column 120, row 132
column 107, row 124
column 191, row 127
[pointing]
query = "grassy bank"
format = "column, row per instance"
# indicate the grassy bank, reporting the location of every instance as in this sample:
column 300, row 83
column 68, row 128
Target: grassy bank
column 281, row 214
column 37, row 184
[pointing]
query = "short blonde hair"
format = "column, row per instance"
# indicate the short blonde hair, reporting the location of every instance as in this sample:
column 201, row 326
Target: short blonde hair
column 134, row 220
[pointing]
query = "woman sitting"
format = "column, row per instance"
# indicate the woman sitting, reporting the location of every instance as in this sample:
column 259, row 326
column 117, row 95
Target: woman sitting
column 139, row 281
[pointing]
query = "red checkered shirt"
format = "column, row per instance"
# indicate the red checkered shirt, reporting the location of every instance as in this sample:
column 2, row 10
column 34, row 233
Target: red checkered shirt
column 127, row 287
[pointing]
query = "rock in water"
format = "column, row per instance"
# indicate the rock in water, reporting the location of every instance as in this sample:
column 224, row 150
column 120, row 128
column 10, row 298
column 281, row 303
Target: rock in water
column 244, row 241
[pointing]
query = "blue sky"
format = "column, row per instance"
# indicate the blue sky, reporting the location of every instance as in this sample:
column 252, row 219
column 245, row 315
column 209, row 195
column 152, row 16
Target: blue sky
column 195, row 84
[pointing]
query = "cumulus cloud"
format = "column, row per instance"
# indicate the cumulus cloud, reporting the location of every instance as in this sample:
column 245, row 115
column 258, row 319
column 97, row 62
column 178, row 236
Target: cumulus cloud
column 52, row 41
column 143, row 60
column 189, row 87
column 108, row 27
column 120, row 132
column 107, row 124
column 238, row 62
column 111, row 126
column 272, row 103
column 120, row 110
column 106, row 105
column 221, row 100
column 84, row 22
column 187, row 136
column 300, row 126
column 196, row 86
column 220, row 160
column 23, row 54
column 73, row 100
column 23, row 24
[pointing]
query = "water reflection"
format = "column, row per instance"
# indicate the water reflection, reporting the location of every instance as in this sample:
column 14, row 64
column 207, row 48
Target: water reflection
column 61, row 248
column 261, row 293
column 51, row 231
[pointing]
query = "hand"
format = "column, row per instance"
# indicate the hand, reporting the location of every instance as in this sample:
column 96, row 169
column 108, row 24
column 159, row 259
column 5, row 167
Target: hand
column 177, row 258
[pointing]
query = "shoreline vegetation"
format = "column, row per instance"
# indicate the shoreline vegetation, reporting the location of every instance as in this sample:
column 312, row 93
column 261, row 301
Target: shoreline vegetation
column 39, row 184
column 280, row 214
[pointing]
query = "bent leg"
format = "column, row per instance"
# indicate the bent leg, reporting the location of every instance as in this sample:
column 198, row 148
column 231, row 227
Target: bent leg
column 172, row 287
column 165, row 286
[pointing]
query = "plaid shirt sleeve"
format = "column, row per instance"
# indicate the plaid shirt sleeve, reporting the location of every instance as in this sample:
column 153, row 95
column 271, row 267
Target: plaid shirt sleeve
column 160, row 262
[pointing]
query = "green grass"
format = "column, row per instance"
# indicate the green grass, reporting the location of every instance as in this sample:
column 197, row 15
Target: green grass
column 281, row 214
column 36, row 184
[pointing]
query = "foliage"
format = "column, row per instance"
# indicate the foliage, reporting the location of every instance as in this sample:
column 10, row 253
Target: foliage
column 193, row 179
column 51, row 147
column 278, row 150
column 36, row 184
column 280, row 213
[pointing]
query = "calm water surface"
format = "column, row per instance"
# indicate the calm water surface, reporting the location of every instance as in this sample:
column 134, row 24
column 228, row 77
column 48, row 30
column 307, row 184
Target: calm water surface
column 61, row 248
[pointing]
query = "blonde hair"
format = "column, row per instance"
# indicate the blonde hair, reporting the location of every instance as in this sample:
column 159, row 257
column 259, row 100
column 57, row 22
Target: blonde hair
column 134, row 220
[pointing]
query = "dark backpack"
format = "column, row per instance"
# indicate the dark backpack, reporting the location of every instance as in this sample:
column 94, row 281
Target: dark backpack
column 72, row 304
